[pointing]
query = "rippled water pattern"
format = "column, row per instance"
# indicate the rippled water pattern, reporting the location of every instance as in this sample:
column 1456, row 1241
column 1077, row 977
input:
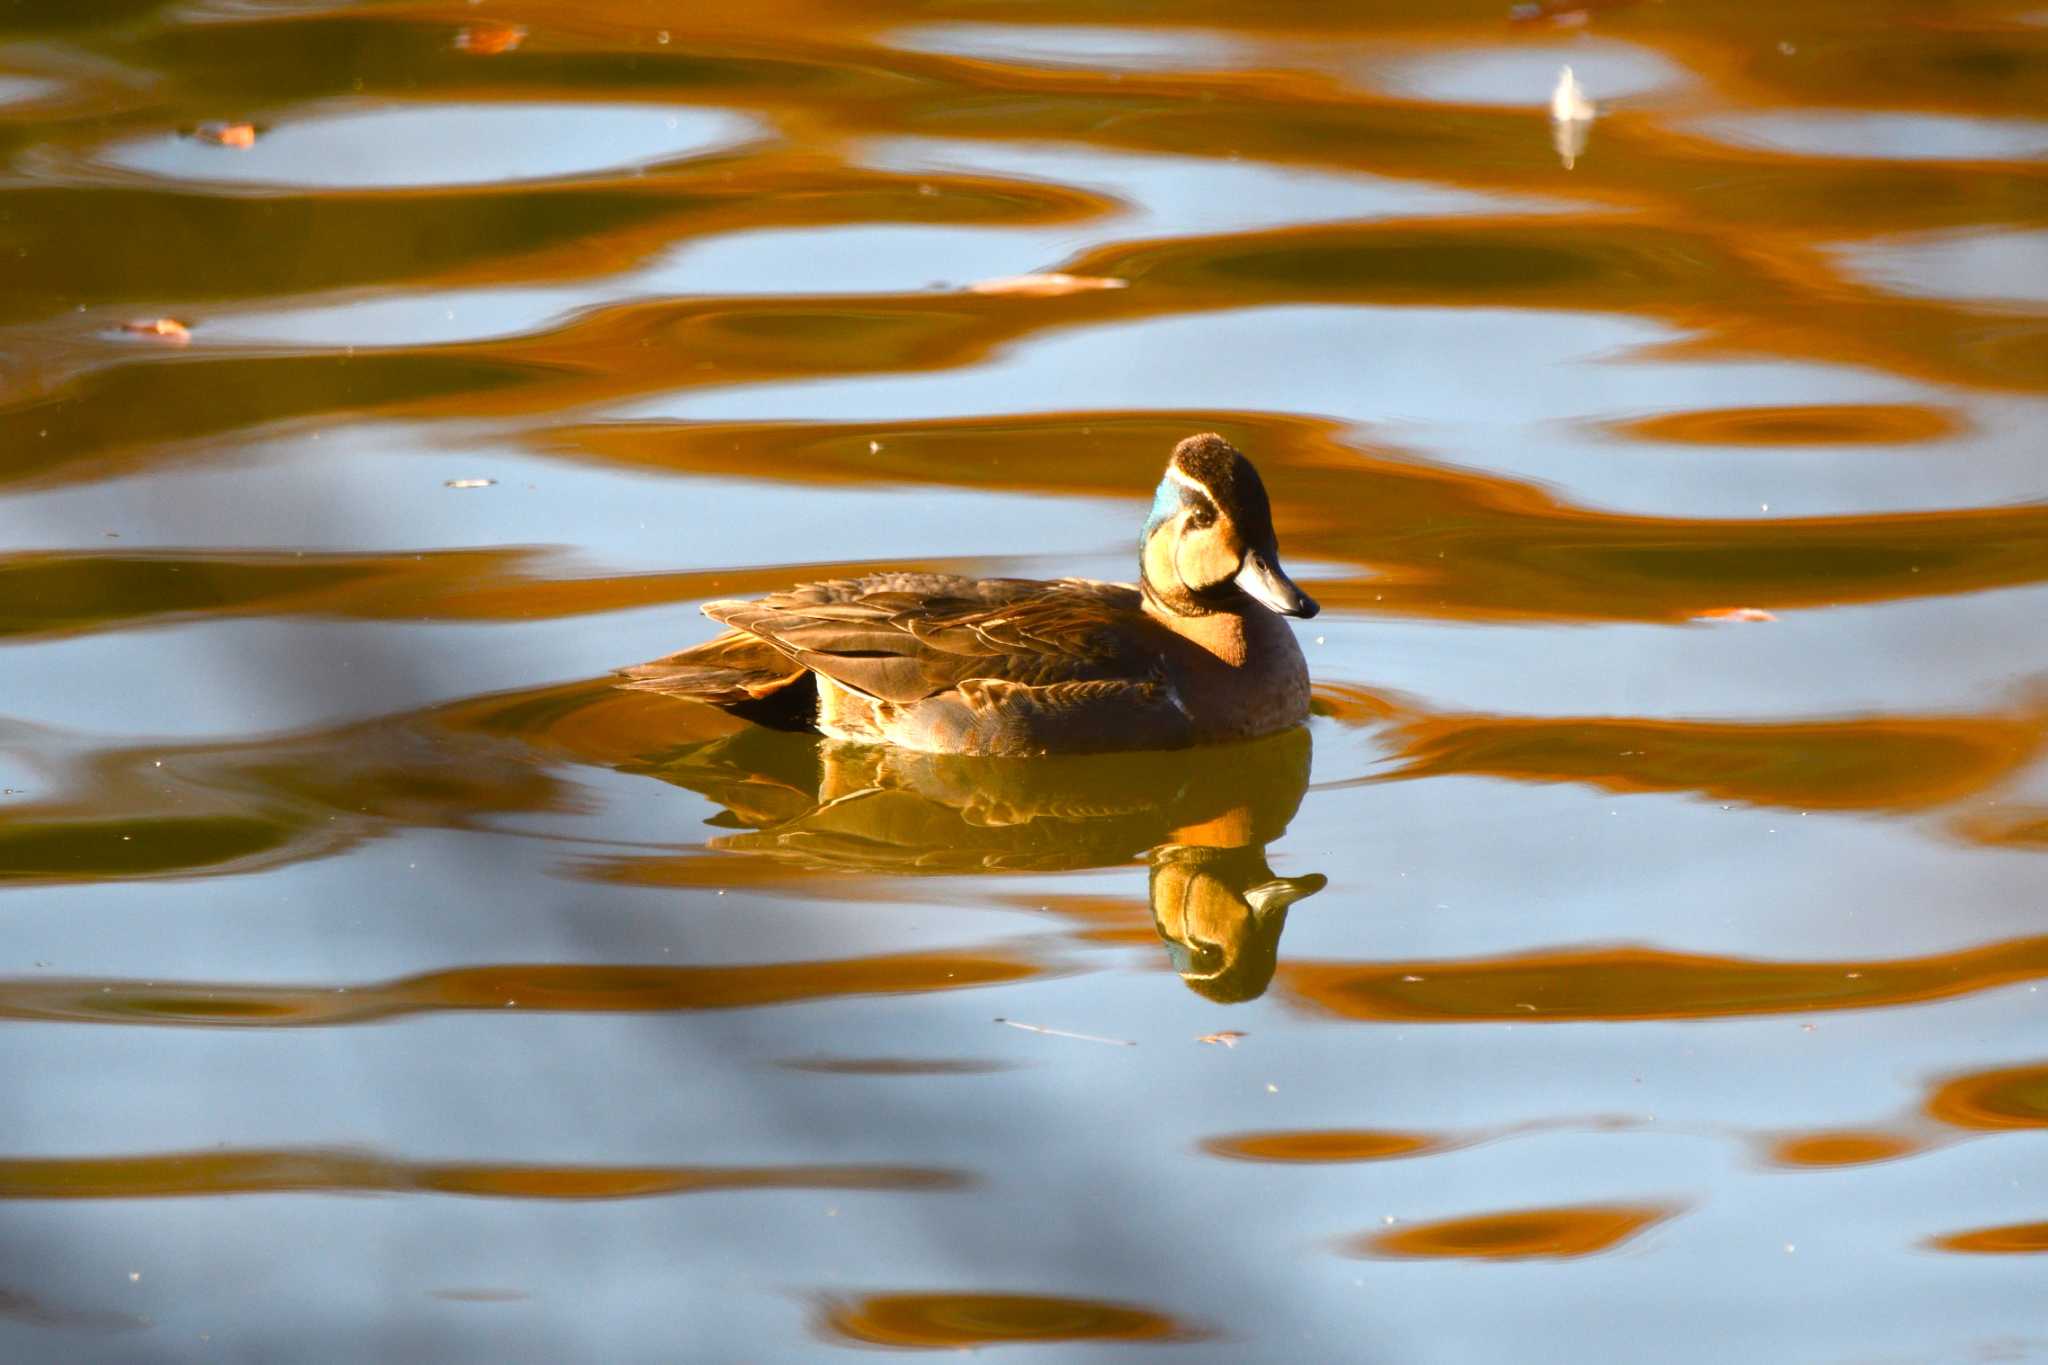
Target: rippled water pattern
column 1640, row 957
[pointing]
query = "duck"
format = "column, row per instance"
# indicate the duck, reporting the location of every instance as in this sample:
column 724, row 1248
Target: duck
column 1197, row 651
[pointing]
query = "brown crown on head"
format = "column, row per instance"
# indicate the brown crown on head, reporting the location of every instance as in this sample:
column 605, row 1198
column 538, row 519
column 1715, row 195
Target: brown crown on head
column 1231, row 482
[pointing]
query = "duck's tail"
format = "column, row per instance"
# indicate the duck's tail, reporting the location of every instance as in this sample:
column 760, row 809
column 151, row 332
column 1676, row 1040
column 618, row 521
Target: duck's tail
column 735, row 672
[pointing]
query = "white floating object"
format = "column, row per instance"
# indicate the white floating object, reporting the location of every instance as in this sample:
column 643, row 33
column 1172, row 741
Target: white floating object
column 1571, row 115
column 1568, row 103
column 469, row 483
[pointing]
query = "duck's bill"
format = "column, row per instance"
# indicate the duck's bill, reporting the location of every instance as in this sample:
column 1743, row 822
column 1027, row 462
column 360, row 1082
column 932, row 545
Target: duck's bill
column 1262, row 578
column 1282, row 892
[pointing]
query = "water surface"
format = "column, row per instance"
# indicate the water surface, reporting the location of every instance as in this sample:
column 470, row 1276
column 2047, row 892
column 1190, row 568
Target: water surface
column 1650, row 921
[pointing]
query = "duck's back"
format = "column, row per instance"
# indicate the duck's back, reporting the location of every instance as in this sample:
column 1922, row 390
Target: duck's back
column 944, row 663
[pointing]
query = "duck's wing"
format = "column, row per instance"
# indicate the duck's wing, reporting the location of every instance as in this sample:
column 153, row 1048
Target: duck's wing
column 905, row 637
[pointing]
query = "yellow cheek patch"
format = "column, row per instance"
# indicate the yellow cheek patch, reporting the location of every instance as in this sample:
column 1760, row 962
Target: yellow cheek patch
column 1207, row 558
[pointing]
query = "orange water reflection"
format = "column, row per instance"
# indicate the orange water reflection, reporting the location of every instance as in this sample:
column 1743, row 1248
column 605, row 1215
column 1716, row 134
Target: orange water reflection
column 1323, row 1145
column 1808, row 424
column 1519, row 1235
column 545, row 987
column 353, row 1171
column 943, row 1321
column 1844, row 1147
column 1882, row 762
column 1615, row 984
column 2009, row 1239
column 1994, row 1101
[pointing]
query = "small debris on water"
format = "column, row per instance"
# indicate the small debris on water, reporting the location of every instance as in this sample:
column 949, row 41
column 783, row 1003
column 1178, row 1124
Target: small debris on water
column 469, row 483
column 1227, row 1038
column 1063, row 1033
column 1734, row 614
column 170, row 329
column 240, row 136
column 874, row 447
column 1045, row 286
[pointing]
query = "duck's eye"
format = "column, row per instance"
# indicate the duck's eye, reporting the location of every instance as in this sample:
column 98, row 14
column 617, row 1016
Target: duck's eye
column 1201, row 515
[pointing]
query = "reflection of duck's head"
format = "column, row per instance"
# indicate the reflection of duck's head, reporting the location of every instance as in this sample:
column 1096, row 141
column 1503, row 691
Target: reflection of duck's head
column 1220, row 911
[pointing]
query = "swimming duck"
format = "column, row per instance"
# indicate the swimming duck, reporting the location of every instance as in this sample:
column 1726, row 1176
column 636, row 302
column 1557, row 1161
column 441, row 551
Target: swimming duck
column 1195, row 653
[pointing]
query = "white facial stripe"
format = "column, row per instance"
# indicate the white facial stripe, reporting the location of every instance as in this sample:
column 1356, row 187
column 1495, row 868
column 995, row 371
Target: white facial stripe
column 1186, row 480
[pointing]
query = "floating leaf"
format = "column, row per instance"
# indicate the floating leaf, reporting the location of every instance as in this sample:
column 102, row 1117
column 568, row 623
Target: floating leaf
column 488, row 40
column 1228, row 1037
column 170, row 329
column 1050, row 286
column 237, row 135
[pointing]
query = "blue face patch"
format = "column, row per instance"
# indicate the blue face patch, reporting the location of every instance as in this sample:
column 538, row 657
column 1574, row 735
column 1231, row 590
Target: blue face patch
column 1165, row 503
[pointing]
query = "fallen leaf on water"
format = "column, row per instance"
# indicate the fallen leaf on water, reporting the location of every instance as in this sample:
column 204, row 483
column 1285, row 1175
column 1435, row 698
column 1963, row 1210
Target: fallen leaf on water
column 170, row 329
column 489, row 39
column 228, row 134
column 1228, row 1037
column 1044, row 286
column 469, row 483
column 1062, row 1033
column 1734, row 614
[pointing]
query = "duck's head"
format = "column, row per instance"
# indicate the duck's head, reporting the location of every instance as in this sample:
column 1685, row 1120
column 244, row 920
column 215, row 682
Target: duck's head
column 1209, row 542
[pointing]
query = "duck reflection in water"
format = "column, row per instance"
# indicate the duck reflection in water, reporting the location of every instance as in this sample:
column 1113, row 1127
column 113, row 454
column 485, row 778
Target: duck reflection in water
column 1201, row 819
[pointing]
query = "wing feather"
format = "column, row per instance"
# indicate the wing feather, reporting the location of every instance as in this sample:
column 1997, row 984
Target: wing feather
column 905, row 637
